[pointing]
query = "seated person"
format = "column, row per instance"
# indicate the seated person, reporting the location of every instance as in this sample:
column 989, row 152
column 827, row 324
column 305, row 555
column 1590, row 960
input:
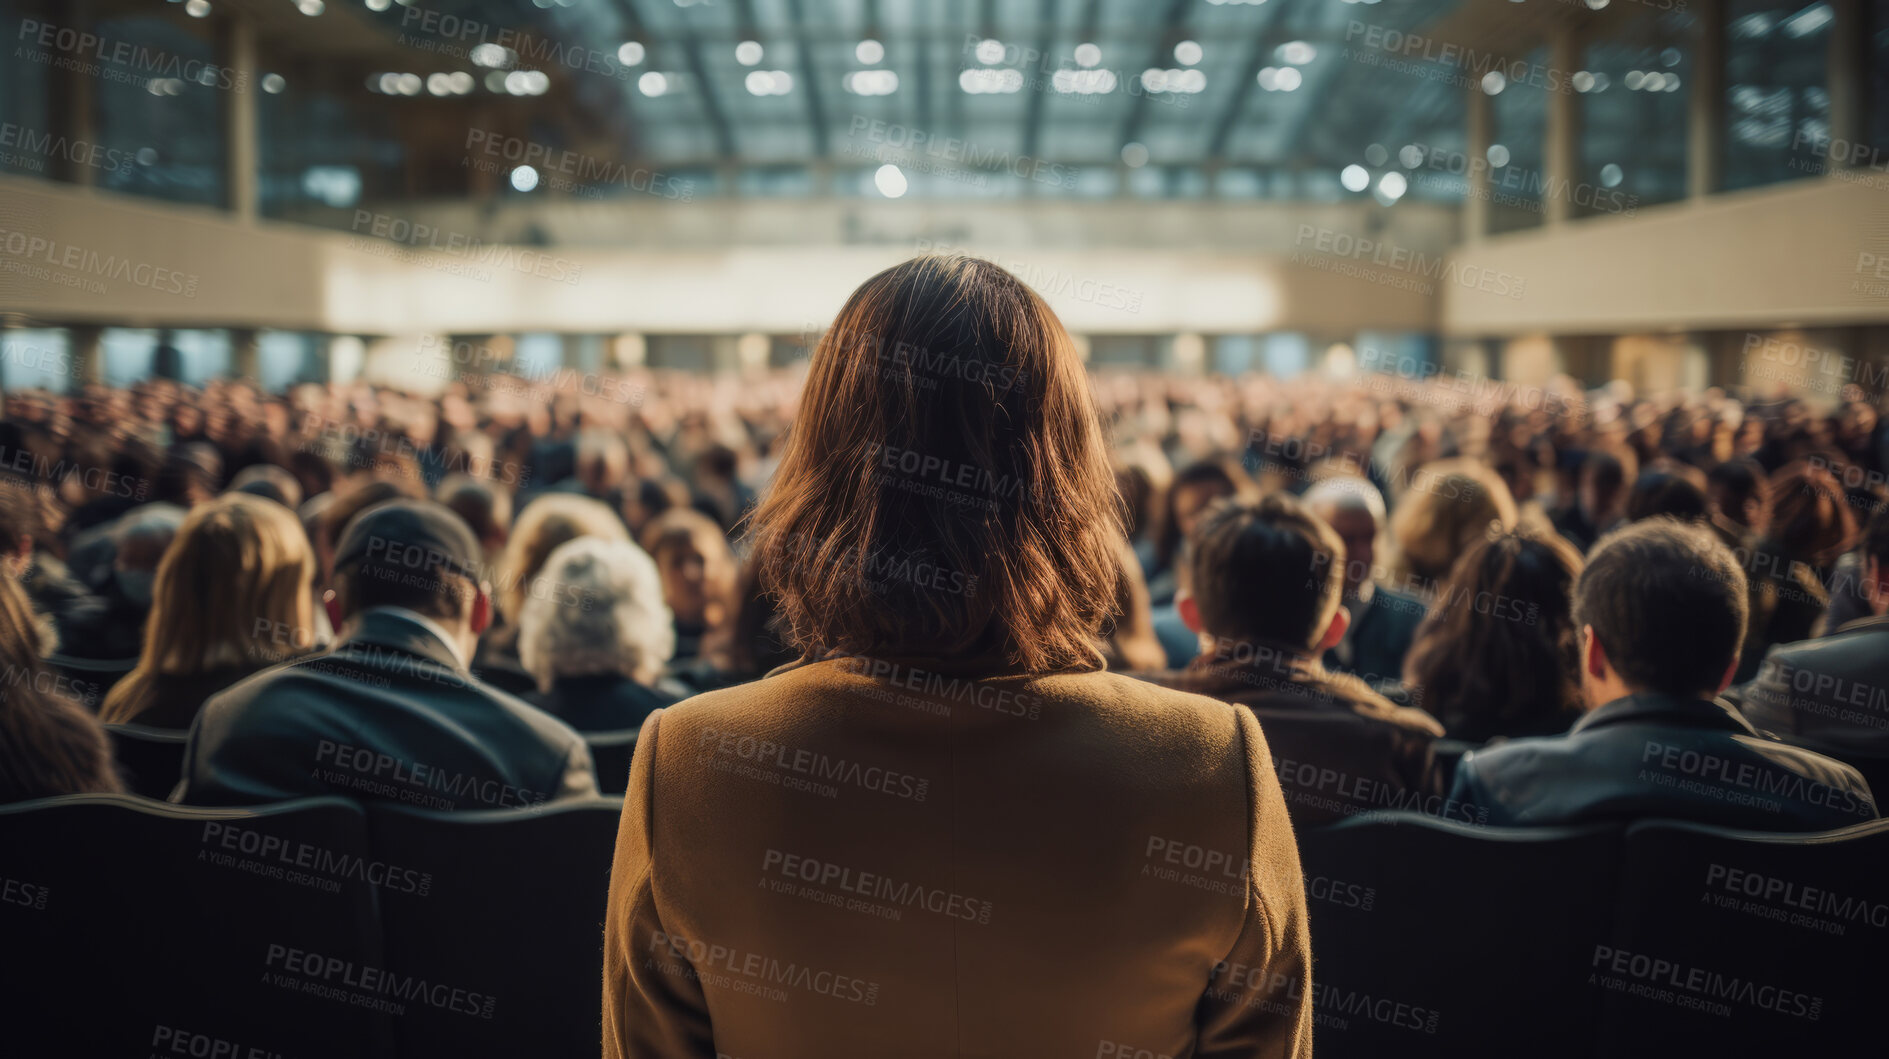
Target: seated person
column 1824, row 693
column 392, row 712
column 1661, row 610
column 1267, row 580
column 698, row 575
column 49, row 744
column 597, row 642
column 254, row 555
column 1382, row 621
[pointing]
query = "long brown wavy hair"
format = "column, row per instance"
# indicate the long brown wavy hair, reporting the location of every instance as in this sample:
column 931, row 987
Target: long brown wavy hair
column 946, row 425
column 49, row 745
column 1498, row 654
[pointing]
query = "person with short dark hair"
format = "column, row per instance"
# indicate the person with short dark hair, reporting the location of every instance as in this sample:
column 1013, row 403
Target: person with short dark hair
column 1831, row 694
column 1600, row 500
column 1734, row 499
column 392, row 712
column 1666, row 492
column 1661, row 609
column 1266, row 579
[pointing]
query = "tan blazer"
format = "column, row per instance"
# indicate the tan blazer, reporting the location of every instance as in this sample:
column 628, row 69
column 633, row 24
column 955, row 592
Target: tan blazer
column 857, row 858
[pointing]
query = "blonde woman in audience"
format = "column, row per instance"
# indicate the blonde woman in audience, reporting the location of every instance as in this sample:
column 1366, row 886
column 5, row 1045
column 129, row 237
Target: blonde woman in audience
column 233, row 595
column 1448, row 506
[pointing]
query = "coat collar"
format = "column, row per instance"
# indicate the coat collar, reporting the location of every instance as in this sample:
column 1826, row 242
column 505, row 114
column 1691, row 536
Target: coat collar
column 391, row 631
column 1653, row 706
column 1873, row 622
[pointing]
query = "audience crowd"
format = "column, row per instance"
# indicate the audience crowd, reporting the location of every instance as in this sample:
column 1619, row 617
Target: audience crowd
column 1489, row 603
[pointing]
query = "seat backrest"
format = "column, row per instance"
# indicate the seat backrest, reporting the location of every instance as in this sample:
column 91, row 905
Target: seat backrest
column 611, row 752
column 88, row 679
column 506, row 909
column 1442, row 938
column 1733, row 942
column 133, row 927
column 150, row 760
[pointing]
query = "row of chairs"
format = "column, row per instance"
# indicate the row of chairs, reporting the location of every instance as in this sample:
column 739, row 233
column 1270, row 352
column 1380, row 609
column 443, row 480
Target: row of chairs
column 151, row 760
column 1658, row 938
column 323, row 926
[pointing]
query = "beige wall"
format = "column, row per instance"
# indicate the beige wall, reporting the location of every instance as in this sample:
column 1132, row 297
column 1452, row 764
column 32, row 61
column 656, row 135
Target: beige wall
column 1814, row 251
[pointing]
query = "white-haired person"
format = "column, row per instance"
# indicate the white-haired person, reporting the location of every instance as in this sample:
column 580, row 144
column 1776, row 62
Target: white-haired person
column 596, row 635
column 1383, row 620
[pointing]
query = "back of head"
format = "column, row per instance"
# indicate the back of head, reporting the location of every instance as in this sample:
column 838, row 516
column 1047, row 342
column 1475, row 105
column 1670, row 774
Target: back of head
column 1667, row 602
column 1450, row 505
column 1667, row 493
column 604, row 614
column 1498, row 648
column 1810, row 514
column 1736, row 488
column 412, row 554
column 233, row 590
column 547, row 522
column 484, row 507
column 270, row 482
column 1269, row 571
column 946, row 420
column 49, row 745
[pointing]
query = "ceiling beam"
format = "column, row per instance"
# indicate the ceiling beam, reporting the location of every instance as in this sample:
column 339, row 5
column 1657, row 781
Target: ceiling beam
column 1163, row 50
column 1033, row 108
column 1249, row 79
column 810, row 76
column 705, row 89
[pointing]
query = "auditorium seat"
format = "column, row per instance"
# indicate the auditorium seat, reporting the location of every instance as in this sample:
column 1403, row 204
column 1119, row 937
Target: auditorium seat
column 1441, row 938
column 1730, row 942
column 610, row 752
column 508, row 904
column 133, row 927
column 150, row 760
column 88, row 679
column 1449, row 753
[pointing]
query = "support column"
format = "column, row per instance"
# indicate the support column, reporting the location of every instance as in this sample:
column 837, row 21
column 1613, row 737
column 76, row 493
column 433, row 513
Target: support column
column 72, row 107
column 1479, row 111
column 1705, row 111
column 1847, row 68
column 85, row 347
column 236, row 52
column 1561, row 141
column 246, row 354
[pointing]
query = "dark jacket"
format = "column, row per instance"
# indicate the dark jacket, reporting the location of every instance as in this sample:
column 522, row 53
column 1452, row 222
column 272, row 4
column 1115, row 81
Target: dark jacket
column 1830, row 694
column 1653, row 755
column 600, row 702
column 1378, row 639
column 388, row 714
column 1337, row 746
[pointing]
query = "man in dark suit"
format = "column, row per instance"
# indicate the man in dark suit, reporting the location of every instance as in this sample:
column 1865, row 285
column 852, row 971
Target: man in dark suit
column 391, row 713
column 1266, row 580
column 1382, row 620
column 1661, row 607
column 1832, row 694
